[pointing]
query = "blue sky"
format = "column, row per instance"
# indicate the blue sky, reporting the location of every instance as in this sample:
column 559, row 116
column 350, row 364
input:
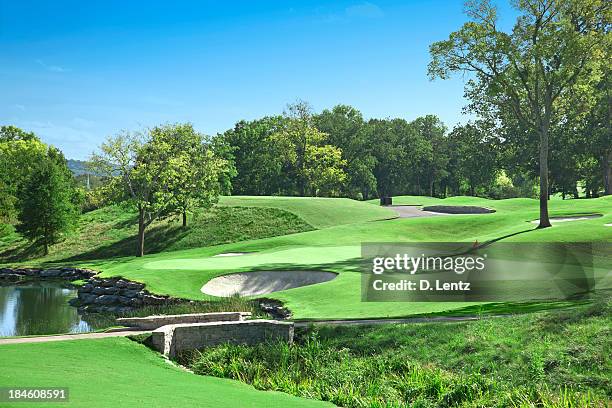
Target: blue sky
column 75, row 72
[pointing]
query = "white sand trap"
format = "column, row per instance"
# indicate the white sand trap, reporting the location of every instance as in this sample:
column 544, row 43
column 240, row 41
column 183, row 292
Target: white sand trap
column 566, row 219
column 608, row 225
column 259, row 283
column 230, row 254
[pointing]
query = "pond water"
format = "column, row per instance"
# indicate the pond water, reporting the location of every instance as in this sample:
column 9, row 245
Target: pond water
column 39, row 308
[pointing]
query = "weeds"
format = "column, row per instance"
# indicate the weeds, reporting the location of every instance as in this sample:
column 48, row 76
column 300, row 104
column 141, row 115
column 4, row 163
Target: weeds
column 520, row 361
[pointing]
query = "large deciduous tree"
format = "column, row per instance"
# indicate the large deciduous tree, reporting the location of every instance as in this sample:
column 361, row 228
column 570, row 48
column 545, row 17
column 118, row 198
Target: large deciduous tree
column 161, row 172
column 20, row 152
column 258, row 157
column 346, row 129
column 200, row 177
column 554, row 46
column 308, row 153
column 474, row 157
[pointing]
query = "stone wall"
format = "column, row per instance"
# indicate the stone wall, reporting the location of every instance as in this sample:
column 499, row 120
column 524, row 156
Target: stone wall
column 174, row 339
column 115, row 295
column 67, row 273
column 154, row 322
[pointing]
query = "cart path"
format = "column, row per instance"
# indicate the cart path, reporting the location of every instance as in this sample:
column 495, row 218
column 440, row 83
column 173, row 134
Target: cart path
column 123, row 333
column 66, row 337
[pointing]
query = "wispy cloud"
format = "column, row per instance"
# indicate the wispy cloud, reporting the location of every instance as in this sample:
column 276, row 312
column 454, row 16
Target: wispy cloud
column 51, row 68
column 19, row 107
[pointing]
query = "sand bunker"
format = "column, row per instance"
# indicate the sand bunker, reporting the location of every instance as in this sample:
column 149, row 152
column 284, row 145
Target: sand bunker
column 608, row 225
column 571, row 218
column 259, row 283
column 411, row 211
column 458, row 209
column 230, row 254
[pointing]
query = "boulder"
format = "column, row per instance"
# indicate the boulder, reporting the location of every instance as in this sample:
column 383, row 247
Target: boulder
column 88, row 287
column 50, row 273
column 106, row 300
column 129, row 293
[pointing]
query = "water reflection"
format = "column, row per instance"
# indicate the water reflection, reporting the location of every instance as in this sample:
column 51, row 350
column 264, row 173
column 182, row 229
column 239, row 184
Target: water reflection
column 39, row 308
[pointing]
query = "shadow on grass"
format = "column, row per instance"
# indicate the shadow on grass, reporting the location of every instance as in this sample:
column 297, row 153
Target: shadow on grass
column 157, row 239
column 30, row 250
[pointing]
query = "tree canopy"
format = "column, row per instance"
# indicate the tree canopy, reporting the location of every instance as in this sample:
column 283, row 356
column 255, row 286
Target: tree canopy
column 555, row 48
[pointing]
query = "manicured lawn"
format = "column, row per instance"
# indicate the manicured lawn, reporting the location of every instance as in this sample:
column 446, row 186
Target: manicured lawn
column 318, row 212
column 182, row 273
column 118, row 372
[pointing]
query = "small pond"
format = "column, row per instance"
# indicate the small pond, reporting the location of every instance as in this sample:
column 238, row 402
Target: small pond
column 39, row 307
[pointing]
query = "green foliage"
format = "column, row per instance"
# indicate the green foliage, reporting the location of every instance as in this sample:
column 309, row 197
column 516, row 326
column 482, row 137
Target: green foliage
column 521, row 79
column 553, row 359
column 165, row 171
column 47, row 203
column 19, row 154
column 473, row 161
column 12, row 134
column 346, row 130
column 257, row 157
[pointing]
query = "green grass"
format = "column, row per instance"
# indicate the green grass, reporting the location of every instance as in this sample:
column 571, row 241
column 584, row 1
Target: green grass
column 117, row 372
column 318, row 212
column 111, row 232
column 182, row 273
column 551, row 359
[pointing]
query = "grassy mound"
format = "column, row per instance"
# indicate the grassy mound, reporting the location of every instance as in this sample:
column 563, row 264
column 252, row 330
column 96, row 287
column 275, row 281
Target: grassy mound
column 337, row 249
column 318, row 212
column 552, row 359
column 111, row 232
column 127, row 374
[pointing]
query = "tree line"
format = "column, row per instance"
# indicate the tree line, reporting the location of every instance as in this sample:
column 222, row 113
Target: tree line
column 540, row 95
column 337, row 153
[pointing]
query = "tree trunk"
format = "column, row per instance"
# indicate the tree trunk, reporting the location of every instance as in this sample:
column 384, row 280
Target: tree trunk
column 431, row 186
column 607, row 173
column 141, row 233
column 184, row 218
column 544, row 220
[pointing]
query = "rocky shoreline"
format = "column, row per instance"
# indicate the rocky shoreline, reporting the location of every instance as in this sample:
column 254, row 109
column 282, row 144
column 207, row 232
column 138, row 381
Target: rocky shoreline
column 115, row 295
column 66, row 273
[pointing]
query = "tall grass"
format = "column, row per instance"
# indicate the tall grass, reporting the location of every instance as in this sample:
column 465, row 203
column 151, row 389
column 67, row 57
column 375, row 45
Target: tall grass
column 551, row 359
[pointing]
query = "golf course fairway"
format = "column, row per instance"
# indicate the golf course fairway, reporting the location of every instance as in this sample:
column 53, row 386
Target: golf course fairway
column 337, row 249
column 125, row 373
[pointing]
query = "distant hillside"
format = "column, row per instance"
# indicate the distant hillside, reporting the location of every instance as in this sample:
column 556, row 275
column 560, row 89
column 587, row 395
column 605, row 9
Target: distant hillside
column 78, row 167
